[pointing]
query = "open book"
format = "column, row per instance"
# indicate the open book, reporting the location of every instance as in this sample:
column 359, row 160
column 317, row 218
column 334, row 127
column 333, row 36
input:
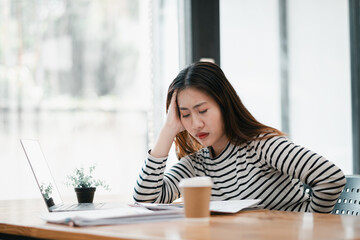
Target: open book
column 140, row 212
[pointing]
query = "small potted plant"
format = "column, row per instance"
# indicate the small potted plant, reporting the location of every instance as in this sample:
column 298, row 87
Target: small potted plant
column 46, row 191
column 85, row 184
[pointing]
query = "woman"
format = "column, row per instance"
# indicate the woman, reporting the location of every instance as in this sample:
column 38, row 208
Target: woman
column 216, row 136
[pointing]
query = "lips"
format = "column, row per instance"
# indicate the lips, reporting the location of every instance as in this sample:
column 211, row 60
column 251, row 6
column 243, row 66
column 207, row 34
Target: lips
column 202, row 135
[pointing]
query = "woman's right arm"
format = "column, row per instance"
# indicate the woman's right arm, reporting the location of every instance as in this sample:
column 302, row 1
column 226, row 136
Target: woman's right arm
column 151, row 185
column 169, row 131
column 154, row 186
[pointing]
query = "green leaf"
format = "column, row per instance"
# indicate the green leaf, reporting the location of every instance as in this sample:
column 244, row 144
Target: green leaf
column 81, row 178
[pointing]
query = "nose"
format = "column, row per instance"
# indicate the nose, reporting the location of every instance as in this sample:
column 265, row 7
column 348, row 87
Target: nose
column 197, row 122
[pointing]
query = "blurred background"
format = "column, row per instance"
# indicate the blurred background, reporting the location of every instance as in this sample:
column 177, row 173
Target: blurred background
column 88, row 78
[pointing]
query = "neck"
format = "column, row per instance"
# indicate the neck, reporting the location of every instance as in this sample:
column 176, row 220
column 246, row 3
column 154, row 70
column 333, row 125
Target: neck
column 216, row 151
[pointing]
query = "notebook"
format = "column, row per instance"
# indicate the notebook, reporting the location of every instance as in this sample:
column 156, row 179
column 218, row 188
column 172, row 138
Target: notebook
column 46, row 183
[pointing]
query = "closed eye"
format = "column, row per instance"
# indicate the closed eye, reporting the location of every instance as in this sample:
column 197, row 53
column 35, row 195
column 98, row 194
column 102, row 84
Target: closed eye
column 204, row 111
column 186, row 115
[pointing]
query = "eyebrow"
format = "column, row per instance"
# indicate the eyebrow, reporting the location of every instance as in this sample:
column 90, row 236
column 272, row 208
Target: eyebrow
column 196, row 106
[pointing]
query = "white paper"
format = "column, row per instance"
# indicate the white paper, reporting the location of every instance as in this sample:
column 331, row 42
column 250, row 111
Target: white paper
column 160, row 206
column 120, row 215
column 139, row 212
column 232, row 206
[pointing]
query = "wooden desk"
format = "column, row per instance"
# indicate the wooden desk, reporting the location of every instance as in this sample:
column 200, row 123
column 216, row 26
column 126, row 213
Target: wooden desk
column 20, row 217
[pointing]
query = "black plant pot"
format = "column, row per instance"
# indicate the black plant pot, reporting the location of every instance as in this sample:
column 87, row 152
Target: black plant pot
column 50, row 202
column 85, row 195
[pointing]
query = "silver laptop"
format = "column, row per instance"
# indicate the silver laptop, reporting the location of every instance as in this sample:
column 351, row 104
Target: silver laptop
column 46, row 183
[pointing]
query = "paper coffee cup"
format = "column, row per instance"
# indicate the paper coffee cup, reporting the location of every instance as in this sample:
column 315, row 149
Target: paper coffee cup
column 196, row 194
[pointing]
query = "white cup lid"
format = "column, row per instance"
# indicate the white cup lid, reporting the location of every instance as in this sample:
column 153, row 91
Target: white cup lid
column 196, row 182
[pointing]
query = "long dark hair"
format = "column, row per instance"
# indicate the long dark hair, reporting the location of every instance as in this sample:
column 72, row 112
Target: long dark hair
column 240, row 125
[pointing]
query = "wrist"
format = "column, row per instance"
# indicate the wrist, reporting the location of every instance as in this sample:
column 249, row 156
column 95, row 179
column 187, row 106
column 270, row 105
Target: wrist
column 169, row 131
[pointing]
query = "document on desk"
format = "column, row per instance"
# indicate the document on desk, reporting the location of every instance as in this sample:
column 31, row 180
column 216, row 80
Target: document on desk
column 121, row 215
column 233, row 206
column 140, row 212
column 230, row 206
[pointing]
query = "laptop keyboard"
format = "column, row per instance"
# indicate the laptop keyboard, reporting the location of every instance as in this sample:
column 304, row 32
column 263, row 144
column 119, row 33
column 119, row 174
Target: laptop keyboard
column 79, row 206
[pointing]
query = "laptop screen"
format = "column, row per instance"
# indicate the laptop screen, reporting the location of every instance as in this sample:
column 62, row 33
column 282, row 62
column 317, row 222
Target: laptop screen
column 41, row 172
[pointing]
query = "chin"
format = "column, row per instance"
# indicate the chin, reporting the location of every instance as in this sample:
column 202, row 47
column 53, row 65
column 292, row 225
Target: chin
column 205, row 143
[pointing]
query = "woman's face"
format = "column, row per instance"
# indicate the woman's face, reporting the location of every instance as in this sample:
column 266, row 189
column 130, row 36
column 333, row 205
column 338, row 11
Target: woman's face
column 201, row 117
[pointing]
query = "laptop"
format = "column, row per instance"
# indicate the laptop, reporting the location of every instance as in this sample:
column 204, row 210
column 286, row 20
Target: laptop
column 46, row 183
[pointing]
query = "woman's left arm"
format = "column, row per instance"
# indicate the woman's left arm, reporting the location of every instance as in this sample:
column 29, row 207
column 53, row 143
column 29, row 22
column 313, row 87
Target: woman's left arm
column 324, row 177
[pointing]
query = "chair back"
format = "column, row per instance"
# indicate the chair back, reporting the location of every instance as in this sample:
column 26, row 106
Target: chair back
column 349, row 200
column 307, row 189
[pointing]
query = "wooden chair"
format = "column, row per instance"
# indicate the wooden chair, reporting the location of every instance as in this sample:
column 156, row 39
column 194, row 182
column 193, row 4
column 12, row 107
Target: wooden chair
column 349, row 200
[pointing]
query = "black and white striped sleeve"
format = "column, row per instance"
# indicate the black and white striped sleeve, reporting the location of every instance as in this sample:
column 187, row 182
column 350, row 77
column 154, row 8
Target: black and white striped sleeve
column 153, row 185
column 324, row 177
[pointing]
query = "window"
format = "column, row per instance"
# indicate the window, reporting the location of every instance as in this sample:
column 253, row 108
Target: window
column 79, row 76
column 318, row 67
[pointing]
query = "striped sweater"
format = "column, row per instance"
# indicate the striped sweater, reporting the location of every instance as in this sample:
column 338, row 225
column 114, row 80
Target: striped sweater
column 272, row 169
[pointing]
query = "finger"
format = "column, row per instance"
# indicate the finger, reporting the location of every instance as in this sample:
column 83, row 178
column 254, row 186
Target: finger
column 173, row 103
column 173, row 98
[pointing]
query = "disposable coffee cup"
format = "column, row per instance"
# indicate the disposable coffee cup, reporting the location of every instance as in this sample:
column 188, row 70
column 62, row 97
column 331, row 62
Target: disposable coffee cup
column 196, row 194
